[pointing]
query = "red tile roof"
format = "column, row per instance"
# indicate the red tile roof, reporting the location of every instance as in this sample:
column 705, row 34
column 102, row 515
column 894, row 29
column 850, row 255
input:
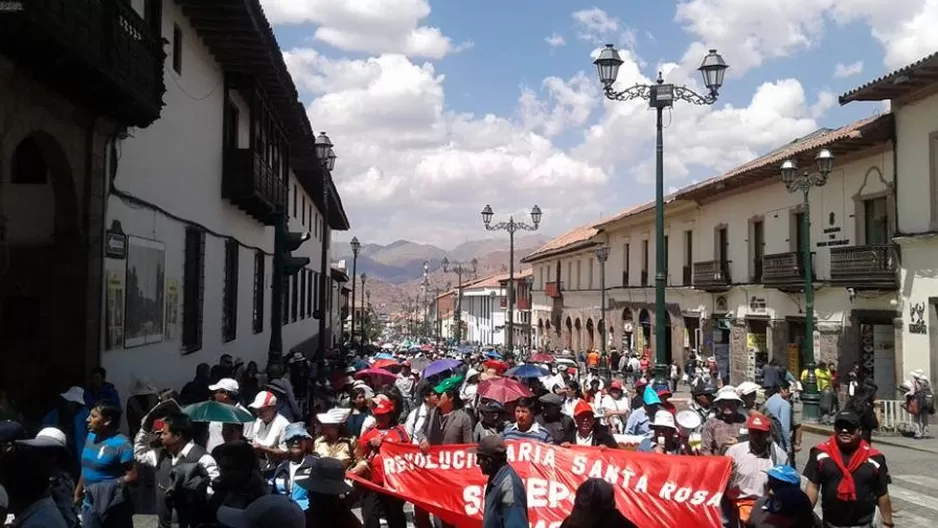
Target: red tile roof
column 909, row 78
column 565, row 242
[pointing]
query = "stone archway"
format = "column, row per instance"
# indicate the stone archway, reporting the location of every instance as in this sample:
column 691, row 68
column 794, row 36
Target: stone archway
column 590, row 335
column 568, row 334
column 45, row 288
column 578, row 335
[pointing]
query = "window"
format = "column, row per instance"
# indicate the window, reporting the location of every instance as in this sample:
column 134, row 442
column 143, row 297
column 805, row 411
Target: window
column 758, row 249
column 294, row 296
column 153, row 15
column 309, row 292
column 303, row 290
column 177, row 49
column 723, row 243
column 797, row 228
column 644, row 262
column 589, row 274
column 875, row 222
column 294, row 200
column 688, row 274
column 317, row 305
column 260, row 263
column 285, row 301
column 29, row 165
column 570, row 275
column 193, row 285
column 579, row 275
column 626, row 263
column 310, row 214
column 232, row 117
column 303, row 211
column 229, row 317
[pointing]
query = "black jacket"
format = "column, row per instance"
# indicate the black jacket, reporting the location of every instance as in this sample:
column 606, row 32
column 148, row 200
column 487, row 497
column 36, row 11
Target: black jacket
column 601, row 436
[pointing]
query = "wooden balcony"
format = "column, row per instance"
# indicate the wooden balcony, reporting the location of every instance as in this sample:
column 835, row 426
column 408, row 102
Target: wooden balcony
column 872, row 267
column 554, row 290
column 251, row 184
column 99, row 53
column 784, row 271
column 712, row 275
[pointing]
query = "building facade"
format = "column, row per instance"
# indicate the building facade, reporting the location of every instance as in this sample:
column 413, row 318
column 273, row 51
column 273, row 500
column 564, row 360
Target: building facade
column 522, row 330
column 734, row 273
column 481, row 311
column 194, row 199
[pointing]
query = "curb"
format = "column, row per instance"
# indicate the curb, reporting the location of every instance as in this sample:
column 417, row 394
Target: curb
column 885, row 440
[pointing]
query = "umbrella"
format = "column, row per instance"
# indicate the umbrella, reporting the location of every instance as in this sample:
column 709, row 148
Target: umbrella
column 213, row 411
column 387, row 346
column 385, row 363
column 527, row 371
column 384, row 355
column 361, row 364
column 497, row 365
column 386, row 376
column 503, row 390
column 440, row 366
column 493, row 354
column 542, row 358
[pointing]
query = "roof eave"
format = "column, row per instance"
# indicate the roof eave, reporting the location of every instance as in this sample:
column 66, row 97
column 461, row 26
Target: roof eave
column 576, row 246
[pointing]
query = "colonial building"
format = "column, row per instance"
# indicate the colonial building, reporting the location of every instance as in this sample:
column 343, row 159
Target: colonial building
column 523, row 334
column 341, row 308
column 481, row 311
column 913, row 94
column 193, row 199
column 441, row 314
column 68, row 94
column 734, row 273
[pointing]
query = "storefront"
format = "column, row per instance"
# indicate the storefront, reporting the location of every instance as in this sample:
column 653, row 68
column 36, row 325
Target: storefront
column 757, row 351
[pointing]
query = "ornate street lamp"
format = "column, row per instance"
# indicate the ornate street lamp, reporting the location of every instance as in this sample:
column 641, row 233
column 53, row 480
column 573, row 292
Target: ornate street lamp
column 326, row 155
column 459, row 269
column 602, row 255
column 804, row 183
column 511, row 226
column 660, row 96
column 356, row 248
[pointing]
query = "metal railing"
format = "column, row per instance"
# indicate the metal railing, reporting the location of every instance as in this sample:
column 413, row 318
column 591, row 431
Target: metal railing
column 892, row 417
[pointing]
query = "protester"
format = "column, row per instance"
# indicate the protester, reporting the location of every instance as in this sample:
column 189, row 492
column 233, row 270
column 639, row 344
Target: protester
column 725, row 427
column 26, row 481
column 525, row 427
column 662, row 436
column 615, row 408
column 378, row 505
column 783, row 504
column 589, row 432
column 448, row 422
column 639, row 422
column 269, row 511
column 299, row 458
column 751, row 459
column 71, row 417
column 506, row 504
column 51, row 445
column 559, row 425
column 594, row 506
column 324, row 482
column 268, row 429
column 107, row 467
column 490, row 420
column 333, row 444
column 226, row 391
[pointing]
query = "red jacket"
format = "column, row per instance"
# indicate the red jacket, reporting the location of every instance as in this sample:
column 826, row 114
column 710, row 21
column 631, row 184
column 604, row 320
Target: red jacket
column 394, row 434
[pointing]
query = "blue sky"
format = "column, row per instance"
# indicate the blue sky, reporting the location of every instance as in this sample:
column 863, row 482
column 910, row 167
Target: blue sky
column 417, row 167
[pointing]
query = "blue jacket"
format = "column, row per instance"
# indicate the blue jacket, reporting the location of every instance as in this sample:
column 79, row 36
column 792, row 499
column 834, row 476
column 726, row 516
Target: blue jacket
column 506, row 501
column 282, row 484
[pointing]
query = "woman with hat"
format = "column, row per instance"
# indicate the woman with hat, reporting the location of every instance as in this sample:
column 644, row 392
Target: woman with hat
column 663, row 436
column 299, row 458
column 724, row 429
column 377, row 505
column 324, row 482
column 615, row 408
column 333, row 444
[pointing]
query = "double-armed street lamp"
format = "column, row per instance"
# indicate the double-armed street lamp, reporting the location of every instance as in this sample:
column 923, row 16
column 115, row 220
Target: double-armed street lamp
column 602, row 255
column 511, row 226
column 804, row 183
column 660, row 96
column 356, row 248
column 459, row 269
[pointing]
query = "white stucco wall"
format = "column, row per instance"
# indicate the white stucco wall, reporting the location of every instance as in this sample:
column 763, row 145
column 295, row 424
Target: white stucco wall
column 176, row 164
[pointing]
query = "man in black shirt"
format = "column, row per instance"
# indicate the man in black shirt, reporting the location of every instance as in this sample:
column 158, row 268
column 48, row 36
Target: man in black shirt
column 850, row 476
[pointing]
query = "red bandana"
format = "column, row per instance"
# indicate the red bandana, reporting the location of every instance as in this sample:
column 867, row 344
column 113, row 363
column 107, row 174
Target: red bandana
column 847, row 489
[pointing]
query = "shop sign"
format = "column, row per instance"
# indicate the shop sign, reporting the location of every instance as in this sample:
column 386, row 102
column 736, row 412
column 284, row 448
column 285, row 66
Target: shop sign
column 917, row 319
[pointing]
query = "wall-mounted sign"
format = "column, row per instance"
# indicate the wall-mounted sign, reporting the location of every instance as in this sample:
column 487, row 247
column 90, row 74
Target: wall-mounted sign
column 115, row 242
column 721, row 304
column 757, row 304
column 917, row 319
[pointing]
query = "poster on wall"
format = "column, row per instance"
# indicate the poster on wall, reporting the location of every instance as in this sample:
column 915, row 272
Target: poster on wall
column 144, row 302
column 794, row 359
column 758, row 355
column 172, row 308
column 115, row 310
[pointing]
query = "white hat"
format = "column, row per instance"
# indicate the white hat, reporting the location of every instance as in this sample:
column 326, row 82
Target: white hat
column 46, row 437
column 336, row 416
column 663, row 419
column 747, row 387
column 728, row 393
column 263, row 399
column 74, row 395
column 917, row 374
column 268, row 510
column 225, row 384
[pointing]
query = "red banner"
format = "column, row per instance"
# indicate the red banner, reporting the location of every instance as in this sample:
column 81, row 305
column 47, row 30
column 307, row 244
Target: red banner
column 652, row 490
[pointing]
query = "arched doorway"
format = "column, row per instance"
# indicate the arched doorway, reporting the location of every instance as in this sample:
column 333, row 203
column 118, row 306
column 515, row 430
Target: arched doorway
column 578, row 335
column 568, row 334
column 590, row 335
column 43, row 290
column 668, row 342
column 644, row 330
column 628, row 330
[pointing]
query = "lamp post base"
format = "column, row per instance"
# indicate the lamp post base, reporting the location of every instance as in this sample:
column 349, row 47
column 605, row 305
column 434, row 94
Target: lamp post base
column 811, row 397
column 660, row 380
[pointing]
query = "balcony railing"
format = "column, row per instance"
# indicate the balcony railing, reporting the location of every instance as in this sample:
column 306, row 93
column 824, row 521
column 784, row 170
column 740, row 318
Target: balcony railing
column 99, row 51
column 554, row 289
column 252, row 185
column 865, row 267
column 712, row 275
column 784, row 271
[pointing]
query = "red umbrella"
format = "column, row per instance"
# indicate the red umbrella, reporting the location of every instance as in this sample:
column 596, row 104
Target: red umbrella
column 542, row 358
column 377, row 374
column 499, row 366
column 385, row 364
column 503, row 390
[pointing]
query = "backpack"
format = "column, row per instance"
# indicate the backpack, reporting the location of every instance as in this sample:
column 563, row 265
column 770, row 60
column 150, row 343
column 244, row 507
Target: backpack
column 925, row 397
column 776, row 426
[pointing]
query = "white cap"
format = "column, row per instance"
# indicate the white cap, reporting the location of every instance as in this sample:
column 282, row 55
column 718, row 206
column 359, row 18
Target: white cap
column 225, row 384
column 47, row 437
column 74, row 395
column 747, row 387
column 263, row 399
column 265, row 511
column 336, row 416
column 728, row 393
column 663, row 419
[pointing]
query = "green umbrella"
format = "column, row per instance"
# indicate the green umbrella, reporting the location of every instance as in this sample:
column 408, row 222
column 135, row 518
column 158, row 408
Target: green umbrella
column 213, row 411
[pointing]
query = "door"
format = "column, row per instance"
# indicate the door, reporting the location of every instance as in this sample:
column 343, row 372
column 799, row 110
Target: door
column 884, row 361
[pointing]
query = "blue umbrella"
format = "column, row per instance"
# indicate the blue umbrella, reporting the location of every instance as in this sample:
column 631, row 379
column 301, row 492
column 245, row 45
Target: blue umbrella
column 493, row 354
column 440, row 366
column 384, row 355
column 361, row 364
column 527, row 371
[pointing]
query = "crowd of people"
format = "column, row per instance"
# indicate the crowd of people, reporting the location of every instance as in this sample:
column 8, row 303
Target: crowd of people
column 242, row 448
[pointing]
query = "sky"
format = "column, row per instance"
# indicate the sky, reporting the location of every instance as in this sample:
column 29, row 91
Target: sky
column 439, row 107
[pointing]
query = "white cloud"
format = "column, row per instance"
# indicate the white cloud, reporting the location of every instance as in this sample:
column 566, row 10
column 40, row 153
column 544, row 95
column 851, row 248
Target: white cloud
column 369, row 26
column 555, row 40
column 842, row 71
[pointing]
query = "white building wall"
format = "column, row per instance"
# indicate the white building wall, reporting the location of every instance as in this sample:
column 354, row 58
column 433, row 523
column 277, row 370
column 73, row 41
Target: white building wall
column 175, row 165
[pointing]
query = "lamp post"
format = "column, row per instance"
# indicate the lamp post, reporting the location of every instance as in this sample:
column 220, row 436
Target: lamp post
column 511, row 226
column 660, row 96
column 364, row 277
column 327, row 156
column 356, row 247
column 459, row 269
column 602, row 255
column 804, row 183
column 425, row 286
column 529, row 283
column 367, row 311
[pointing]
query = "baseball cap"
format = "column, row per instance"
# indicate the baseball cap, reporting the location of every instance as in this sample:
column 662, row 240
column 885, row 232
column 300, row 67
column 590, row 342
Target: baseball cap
column 269, row 510
column 615, row 385
column 46, row 437
column 225, row 384
column 784, row 473
column 847, row 417
column 491, row 445
column 759, row 422
column 263, row 399
column 10, row 431
column 582, row 407
column 383, row 407
column 295, row 430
